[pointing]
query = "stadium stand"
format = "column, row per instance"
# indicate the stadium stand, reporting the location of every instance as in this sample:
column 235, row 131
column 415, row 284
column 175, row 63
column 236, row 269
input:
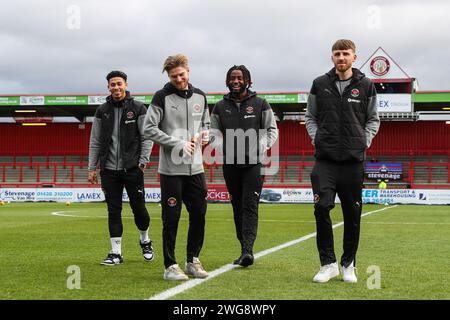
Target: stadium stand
column 58, row 153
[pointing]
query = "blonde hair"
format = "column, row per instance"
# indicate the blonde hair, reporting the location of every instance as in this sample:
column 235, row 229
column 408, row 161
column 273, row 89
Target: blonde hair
column 344, row 44
column 178, row 60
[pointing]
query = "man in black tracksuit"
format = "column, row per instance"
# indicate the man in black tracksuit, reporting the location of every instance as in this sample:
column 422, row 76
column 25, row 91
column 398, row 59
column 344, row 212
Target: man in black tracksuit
column 246, row 125
column 341, row 119
column 117, row 146
column 178, row 120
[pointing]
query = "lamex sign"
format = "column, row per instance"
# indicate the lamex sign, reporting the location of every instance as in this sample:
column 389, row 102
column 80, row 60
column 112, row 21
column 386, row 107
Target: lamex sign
column 90, row 195
column 151, row 195
column 394, row 102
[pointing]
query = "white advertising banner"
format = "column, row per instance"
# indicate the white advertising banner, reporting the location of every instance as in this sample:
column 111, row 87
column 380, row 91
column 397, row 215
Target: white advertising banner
column 272, row 195
column 96, row 99
column 67, row 194
column 396, row 102
column 32, row 100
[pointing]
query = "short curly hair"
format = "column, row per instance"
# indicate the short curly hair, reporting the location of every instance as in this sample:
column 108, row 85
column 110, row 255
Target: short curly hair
column 116, row 73
column 245, row 73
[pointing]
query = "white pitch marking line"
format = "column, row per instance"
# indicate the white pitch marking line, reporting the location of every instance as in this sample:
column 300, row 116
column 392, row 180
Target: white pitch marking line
column 194, row 282
column 63, row 214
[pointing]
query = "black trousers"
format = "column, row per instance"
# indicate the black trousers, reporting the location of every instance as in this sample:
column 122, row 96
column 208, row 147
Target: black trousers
column 345, row 179
column 113, row 183
column 192, row 191
column 244, row 185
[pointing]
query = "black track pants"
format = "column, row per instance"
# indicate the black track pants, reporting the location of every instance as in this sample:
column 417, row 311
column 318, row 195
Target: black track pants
column 190, row 190
column 244, row 185
column 345, row 179
column 113, row 183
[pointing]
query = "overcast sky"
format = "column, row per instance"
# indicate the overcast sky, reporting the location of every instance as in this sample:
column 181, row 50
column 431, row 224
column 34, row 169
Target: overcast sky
column 68, row 46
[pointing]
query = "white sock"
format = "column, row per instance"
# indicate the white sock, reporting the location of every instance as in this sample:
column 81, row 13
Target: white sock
column 116, row 245
column 144, row 236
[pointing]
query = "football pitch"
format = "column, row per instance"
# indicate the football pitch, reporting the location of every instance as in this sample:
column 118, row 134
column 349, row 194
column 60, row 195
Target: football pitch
column 53, row 251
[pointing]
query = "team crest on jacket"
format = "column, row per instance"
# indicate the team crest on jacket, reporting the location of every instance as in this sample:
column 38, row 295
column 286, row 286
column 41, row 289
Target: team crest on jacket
column 172, row 202
column 354, row 93
column 197, row 107
column 130, row 115
column 316, row 198
column 249, row 109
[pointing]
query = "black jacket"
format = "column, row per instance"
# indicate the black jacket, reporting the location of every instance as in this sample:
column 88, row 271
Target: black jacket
column 253, row 114
column 130, row 138
column 341, row 120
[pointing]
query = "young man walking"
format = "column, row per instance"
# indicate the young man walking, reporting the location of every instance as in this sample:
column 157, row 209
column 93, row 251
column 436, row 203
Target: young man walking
column 342, row 120
column 118, row 148
column 178, row 120
column 247, row 125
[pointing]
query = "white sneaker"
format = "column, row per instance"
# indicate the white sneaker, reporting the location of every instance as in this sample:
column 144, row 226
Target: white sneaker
column 174, row 273
column 327, row 272
column 195, row 269
column 348, row 274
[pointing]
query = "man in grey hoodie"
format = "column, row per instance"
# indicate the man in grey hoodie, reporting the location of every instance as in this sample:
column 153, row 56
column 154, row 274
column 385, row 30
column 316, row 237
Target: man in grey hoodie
column 118, row 148
column 178, row 120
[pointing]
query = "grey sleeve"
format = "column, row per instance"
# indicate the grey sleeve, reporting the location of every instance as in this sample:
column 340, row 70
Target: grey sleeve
column 152, row 131
column 146, row 145
column 206, row 121
column 311, row 116
column 94, row 144
column 215, row 122
column 215, row 132
column 372, row 120
column 269, row 124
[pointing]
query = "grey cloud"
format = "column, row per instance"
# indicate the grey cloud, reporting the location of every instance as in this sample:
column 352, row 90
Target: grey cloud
column 285, row 44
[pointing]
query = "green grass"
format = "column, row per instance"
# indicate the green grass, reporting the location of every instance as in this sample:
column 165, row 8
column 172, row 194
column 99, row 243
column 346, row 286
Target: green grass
column 409, row 244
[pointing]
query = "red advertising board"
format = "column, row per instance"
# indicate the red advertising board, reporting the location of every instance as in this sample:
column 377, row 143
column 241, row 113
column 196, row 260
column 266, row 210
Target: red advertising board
column 218, row 193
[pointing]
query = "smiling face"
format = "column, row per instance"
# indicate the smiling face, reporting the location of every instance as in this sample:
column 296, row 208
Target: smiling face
column 236, row 82
column 179, row 77
column 117, row 86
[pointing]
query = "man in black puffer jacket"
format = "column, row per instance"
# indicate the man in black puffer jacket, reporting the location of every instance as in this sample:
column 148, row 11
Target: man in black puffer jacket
column 341, row 119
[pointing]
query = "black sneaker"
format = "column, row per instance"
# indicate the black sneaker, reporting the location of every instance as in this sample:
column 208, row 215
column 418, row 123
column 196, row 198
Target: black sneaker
column 147, row 250
column 112, row 259
column 245, row 260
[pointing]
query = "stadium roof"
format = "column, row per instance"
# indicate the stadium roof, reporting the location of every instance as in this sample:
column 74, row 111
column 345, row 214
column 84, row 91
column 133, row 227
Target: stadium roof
column 82, row 106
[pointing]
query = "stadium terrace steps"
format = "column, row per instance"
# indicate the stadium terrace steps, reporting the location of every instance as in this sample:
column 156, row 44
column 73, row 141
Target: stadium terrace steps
column 75, row 172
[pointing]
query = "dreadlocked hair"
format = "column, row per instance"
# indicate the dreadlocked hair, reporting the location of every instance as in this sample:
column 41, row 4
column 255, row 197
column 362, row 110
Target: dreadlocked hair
column 245, row 72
